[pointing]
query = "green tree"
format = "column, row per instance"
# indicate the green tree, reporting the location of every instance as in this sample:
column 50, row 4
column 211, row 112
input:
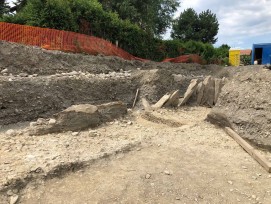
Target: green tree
column 199, row 27
column 18, row 5
column 4, row 8
column 153, row 16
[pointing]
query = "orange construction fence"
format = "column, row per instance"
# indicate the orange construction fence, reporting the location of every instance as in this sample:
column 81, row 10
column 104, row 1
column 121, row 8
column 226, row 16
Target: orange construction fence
column 52, row 39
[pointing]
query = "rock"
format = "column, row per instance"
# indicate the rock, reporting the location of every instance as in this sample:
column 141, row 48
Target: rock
column 23, row 75
column 75, row 133
column 14, row 199
column 11, row 132
column 174, row 99
column 189, row 92
column 41, row 121
column 147, row 176
column 230, row 182
column 209, row 92
column 74, row 118
column 10, row 193
column 167, row 172
column 4, row 71
column 33, row 124
column 162, row 101
column 78, row 117
column 200, row 90
column 111, row 111
column 218, row 87
column 146, row 104
column 129, row 123
column 52, row 121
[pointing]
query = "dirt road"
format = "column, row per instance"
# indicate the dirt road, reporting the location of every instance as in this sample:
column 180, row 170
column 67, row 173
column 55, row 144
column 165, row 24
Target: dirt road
column 193, row 163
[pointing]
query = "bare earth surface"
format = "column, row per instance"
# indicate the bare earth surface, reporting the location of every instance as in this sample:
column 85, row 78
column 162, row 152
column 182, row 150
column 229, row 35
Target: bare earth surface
column 150, row 162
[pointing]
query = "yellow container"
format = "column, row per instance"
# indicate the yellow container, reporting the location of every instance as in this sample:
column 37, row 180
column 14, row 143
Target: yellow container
column 234, row 57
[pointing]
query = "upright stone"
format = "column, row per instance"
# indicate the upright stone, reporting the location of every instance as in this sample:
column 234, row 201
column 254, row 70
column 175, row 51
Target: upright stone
column 190, row 90
column 200, row 90
column 162, row 101
column 146, row 104
column 209, row 92
column 218, row 87
column 174, row 99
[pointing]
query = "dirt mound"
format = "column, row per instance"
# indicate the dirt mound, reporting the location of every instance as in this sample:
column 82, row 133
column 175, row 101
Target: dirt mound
column 38, row 83
column 246, row 102
column 17, row 58
column 34, row 60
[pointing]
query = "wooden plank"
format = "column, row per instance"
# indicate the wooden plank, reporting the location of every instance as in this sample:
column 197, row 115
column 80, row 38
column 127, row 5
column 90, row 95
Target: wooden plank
column 249, row 149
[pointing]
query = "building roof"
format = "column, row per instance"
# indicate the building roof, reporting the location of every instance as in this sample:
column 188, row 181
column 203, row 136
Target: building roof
column 245, row 52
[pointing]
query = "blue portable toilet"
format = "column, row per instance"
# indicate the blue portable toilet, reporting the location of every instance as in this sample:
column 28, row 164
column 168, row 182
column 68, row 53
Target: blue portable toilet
column 261, row 53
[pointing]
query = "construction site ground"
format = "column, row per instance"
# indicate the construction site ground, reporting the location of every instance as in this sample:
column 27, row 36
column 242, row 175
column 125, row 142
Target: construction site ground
column 166, row 155
column 133, row 160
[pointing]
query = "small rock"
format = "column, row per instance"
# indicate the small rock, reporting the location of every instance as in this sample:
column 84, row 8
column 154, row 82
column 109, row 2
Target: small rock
column 129, row 123
column 15, row 191
column 11, row 132
column 75, row 133
column 177, row 198
column 147, row 176
column 231, row 190
column 10, row 193
column 14, row 199
column 52, row 121
column 41, row 121
column 10, row 79
column 244, row 167
column 33, row 124
column 230, row 182
column 4, row 71
column 167, row 172
column 253, row 196
column 23, row 75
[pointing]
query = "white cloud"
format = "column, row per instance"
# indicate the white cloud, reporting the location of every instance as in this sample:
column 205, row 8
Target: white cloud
column 241, row 22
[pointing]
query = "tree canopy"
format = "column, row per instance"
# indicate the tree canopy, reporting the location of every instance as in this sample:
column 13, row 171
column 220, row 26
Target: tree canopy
column 135, row 24
column 4, row 8
column 201, row 27
column 153, row 16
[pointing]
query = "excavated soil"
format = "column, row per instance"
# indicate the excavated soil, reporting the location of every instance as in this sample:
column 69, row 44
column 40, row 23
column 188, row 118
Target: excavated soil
column 38, row 83
column 246, row 102
column 163, row 156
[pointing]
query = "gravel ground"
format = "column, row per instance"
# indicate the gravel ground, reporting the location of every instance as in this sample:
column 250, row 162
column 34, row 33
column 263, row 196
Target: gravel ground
column 194, row 163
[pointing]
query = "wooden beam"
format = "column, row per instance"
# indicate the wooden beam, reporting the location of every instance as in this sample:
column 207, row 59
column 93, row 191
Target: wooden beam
column 249, row 149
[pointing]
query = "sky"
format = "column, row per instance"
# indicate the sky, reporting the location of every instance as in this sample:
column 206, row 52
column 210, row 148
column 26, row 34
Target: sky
column 242, row 22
